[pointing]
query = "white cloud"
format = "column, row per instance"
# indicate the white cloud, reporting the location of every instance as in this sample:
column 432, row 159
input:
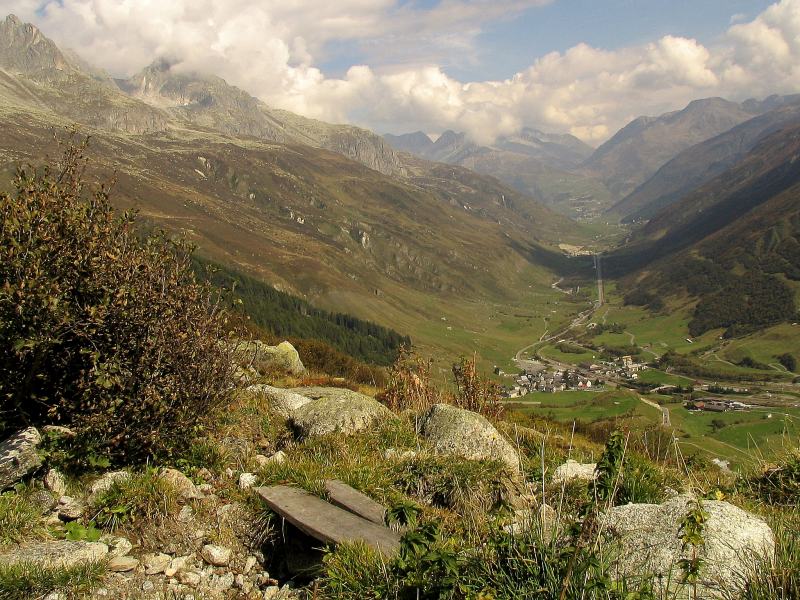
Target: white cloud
column 270, row 48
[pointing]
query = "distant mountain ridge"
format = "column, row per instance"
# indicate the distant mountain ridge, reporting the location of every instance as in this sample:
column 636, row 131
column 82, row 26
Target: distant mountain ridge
column 702, row 162
column 532, row 162
column 640, row 148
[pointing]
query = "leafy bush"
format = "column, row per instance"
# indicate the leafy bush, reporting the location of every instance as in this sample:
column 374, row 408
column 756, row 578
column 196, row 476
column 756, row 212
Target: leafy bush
column 102, row 329
column 788, row 361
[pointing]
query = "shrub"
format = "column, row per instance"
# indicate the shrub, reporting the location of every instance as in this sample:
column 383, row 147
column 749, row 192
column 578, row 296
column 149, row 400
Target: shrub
column 778, row 484
column 788, row 361
column 474, row 392
column 409, row 384
column 102, row 329
column 142, row 497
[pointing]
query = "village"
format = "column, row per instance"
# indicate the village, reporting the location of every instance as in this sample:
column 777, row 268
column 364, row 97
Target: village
column 586, row 376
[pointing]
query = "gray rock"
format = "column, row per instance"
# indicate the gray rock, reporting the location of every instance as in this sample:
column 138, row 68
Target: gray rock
column 54, row 481
column 222, row 582
column 282, row 402
column 42, row 499
column 183, row 485
column 104, row 482
column 282, row 357
column 117, row 546
column 574, row 470
column 178, row 564
column 459, row 432
column 189, row 578
column 219, row 556
column 122, row 564
column 70, row 509
column 19, row 456
column 156, row 563
column 647, row 542
column 62, row 553
column 338, row 410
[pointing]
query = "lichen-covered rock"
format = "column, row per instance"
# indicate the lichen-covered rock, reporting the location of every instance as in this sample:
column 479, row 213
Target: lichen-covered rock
column 19, row 456
column 574, row 470
column 282, row 402
column 62, row 553
column 338, row 410
column 463, row 433
column 70, row 509
column 647, row 540
column 54, row 481
column 185, row 487
column 282, row 357
column 104, row 482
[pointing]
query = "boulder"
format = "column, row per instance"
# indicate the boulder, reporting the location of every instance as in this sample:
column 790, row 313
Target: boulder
column 54, row 554
column 282, row 357
column 574, row 470
column 282, row 402
column 338, row 410
column 19, row 456
column 463, row 433
column 646, row 541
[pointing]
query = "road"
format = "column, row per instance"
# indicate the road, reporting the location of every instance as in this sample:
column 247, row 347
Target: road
column 598, row 267
column 665, row 420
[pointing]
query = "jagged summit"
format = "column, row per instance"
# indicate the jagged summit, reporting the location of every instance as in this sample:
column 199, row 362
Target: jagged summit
column 24, row 49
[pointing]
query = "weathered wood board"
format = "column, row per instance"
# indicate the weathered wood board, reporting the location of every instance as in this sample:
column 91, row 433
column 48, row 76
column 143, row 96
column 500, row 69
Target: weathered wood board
column 326, row 522
column 344, row 496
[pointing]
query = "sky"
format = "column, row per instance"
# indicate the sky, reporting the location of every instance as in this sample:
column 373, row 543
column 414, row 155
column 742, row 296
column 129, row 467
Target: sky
column 486, row 67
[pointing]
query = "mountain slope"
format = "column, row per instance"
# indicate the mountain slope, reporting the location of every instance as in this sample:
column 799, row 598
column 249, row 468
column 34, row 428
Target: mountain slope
column 208, row 101
column 640, row 148
column 701, row 163
column 403, row 249
column 733, row 244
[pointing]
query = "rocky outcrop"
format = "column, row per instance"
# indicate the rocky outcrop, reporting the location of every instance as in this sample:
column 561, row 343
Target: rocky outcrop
column 336, row 410
column 61, row 553
column 574, row 470
column 19, row 456
column 452, row 430
column 282, row 402
column 647, row 540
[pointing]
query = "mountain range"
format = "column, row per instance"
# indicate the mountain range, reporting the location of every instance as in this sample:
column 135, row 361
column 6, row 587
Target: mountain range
column 328, row 212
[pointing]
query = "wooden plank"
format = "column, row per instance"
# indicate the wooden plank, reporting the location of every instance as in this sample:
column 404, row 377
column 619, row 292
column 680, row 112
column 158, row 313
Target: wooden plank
column 325, row 522
column 342, row 495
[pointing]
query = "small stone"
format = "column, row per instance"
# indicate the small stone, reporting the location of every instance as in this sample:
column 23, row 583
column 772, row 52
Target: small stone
column 117, row 546
column 249, row 564
column 186, row 514
column 247, row 480
column 101, row 592
column 19, row 456
column 156, row 563
column 122, row 564
column 43, row 500
column 271, row 592
column 219, row 556
column 575, row 470
column 189, row 578
column 239, row 581
column 204, row 474
column 222, row 582
column 54, row 482
column 178, row 564
column 59, row 431
column 148, row 586
column 70, row 509
column 184, row 486
column 261, row 460
column 229, row 473
column 205, row 488
column 278, row 458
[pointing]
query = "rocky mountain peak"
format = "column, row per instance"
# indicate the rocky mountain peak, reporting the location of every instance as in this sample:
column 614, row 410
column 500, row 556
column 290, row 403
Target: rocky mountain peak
column 24, row 49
